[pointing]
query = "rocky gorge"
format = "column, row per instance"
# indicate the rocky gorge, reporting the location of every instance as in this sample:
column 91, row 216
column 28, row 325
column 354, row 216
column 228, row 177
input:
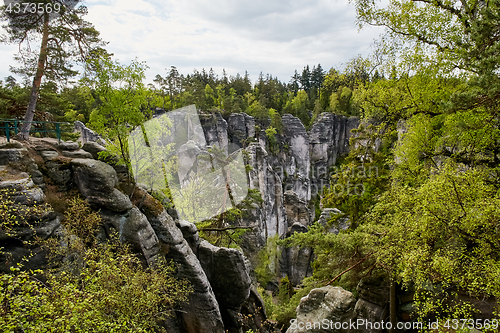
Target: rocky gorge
column 287, row 174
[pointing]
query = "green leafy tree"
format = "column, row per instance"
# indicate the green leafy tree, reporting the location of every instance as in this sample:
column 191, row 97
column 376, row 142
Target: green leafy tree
column 297, row 106
column 456, row 37
column 210, row 97
column 441, row 239
column 124, row 101
column 358, row 183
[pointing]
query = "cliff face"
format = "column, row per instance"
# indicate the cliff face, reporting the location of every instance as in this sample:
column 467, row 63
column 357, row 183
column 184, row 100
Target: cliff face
column 223, row 297
column 295, row 172
column 219, row 276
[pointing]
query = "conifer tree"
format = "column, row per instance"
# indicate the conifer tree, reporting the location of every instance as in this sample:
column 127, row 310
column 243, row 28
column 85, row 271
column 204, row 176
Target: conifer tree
column 65, row 38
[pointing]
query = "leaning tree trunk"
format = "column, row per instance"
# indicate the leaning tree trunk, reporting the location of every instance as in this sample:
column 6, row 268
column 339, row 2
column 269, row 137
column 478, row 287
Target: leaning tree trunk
column 42, row 58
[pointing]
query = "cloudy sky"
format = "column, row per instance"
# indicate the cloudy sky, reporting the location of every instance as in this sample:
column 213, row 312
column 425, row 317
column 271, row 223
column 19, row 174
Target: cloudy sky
column 269, row 36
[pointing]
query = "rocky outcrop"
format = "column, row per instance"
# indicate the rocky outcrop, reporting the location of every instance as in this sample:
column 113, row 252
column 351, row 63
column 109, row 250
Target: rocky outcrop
column 285, row 178
column 96, row 181
column 201, row 313
column 296, row 209
column 12, row 153
column 220, row 277
column 297, row 162
column 86, row 134
column 263, row 178
column 295, row 261
column 241, row 130
column 228, row 275
column 215, row 129
column 25, row 192
column 333, row 309
column 93, row 148
column 328, row 139
column 14, row 244
column 321, row 307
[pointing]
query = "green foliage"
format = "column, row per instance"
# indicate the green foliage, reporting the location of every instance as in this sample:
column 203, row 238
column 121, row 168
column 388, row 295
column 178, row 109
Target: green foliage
column 276, row 121
column 282, row 309
column 388, row 100
column 271, row 138
column 441, row 237
column 446, row 36
column 358, row 183
column 14, row 215
column 112, row 293
column 124, row 101
column 223, row 230
column 108, row 291
column 298, row 106
column 13, row 99
column 268, row 259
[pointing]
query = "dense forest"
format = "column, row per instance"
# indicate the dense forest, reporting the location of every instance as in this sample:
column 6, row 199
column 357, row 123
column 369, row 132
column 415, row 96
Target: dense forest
column 428, row 100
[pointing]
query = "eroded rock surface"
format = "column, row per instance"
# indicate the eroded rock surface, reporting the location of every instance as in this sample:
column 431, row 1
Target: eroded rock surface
column 324, row 305
column 228, row 275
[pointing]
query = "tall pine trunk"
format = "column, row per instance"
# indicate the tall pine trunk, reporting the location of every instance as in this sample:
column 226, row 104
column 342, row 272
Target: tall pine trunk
column 42, row 58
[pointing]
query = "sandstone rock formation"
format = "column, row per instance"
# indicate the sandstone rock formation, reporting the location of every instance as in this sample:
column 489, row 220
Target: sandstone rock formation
column 219, row 277
column 285, row 179
column 324, row 306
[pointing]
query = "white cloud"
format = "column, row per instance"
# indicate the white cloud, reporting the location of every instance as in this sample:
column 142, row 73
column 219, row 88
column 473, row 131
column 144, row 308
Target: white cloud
column 272, row 36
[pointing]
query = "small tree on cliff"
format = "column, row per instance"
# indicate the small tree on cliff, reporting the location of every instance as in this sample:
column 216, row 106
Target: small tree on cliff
column 65, row 39
column 124, row 102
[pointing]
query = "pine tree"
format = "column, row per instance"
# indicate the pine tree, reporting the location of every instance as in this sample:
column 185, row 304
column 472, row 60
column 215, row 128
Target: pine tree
column 65, row 38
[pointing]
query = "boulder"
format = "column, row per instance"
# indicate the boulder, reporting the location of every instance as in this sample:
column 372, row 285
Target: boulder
column 25, row 191
column 12, row 155
column 77, row 153
column 93, row 148
column 59, row 172
column 68, row 145
column 49, row 155
column 94, row 176
column 372, row 313
column 96, row 181
column 115, row 201
column 86, row 134
column 321, row 307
